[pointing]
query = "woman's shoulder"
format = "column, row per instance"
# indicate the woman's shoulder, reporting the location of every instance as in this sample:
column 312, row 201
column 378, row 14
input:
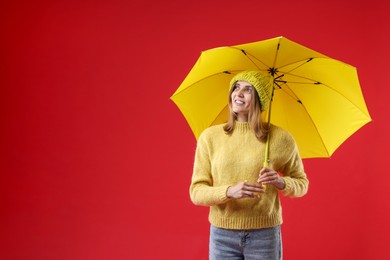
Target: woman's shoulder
column 281, row 134
column 212, row 131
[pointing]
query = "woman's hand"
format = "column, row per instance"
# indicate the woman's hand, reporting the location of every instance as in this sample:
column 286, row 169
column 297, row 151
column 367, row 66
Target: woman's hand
column 269, row 176
column 245, row 190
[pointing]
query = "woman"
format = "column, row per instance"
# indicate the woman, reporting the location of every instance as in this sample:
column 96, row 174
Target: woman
column 228, row 176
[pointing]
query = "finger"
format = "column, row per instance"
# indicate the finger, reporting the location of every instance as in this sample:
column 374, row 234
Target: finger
column 265, row 174
column 264, row 178
column 251, row 184
column 264, row 170
column 248, row 188
column 249, row 194
column 268, row 176
column 272, row 180
column 257, row 189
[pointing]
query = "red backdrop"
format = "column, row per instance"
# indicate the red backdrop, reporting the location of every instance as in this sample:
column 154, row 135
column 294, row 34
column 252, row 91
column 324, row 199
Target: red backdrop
column 96, row 160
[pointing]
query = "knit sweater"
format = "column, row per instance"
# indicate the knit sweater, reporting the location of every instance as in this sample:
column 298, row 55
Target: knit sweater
column 223, row 160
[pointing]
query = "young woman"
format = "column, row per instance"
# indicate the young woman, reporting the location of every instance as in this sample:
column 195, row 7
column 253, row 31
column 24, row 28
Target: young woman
column 229, row 177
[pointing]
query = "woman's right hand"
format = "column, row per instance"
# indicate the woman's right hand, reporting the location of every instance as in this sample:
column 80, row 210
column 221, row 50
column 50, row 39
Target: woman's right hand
column 245, row 190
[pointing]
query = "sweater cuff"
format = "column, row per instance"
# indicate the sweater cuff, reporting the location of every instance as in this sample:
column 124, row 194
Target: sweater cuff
column 288, row 186
column 221, row 193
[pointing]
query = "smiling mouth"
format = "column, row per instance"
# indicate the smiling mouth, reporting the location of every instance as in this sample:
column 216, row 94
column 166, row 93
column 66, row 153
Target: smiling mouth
column 239, row 102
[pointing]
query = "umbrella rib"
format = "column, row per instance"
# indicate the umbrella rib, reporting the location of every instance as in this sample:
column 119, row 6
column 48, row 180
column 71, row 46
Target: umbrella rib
column 316, row 82
column 252, row 57
column 222, row 110
column 307, row 112
column 301, row 63
column 276, row 56
column 277, row 83
column 313, row 81
column 272, row 70
column 315, row 126
column 205, row 78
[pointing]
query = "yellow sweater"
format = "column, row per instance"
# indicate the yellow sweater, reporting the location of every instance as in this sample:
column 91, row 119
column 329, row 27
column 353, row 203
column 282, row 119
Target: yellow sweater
column 223, row 160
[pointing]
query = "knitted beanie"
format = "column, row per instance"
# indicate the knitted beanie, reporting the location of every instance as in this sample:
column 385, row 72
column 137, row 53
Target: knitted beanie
column 263, row 83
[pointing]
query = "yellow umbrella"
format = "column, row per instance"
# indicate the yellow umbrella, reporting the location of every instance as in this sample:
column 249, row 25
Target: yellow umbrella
column 316, row 98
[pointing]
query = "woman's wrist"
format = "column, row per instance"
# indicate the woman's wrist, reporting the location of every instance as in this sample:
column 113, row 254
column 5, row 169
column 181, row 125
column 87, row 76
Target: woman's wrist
column 227, row 193
column 282, row 184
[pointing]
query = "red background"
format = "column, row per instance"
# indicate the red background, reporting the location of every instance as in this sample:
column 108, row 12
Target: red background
column 96, row 160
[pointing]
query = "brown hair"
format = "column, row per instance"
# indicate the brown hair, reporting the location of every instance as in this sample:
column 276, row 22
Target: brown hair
column 254, row 118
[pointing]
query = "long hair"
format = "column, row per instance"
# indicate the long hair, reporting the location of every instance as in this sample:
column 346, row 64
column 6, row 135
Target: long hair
column 260, row 129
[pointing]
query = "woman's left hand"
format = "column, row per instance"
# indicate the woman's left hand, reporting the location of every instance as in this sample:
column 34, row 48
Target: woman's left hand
column 269, row 176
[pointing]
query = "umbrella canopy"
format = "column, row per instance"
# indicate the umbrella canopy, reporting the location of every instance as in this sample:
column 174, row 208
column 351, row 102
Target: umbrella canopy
column 316, row 98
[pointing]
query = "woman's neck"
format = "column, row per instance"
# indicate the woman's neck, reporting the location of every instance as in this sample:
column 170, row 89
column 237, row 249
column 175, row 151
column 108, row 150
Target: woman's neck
column 242, row 118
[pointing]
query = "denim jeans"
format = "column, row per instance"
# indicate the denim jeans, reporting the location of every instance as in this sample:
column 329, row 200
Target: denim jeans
column 254, row 244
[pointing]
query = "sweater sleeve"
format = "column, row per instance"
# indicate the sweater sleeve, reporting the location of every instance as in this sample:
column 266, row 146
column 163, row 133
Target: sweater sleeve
column 202, row 191
column 294, row 176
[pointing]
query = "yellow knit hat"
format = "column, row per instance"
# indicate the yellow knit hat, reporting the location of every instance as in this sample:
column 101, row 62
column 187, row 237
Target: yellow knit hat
column 262, row 82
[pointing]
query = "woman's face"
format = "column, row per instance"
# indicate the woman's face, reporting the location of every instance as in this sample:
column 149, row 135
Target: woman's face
column 242, row 98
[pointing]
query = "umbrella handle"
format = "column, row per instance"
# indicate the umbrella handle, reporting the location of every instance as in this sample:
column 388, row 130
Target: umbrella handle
column 266, row 160
column 266, row 154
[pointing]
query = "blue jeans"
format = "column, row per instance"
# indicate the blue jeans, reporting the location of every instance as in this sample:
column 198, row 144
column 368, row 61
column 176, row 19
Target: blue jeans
column 254, row 244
